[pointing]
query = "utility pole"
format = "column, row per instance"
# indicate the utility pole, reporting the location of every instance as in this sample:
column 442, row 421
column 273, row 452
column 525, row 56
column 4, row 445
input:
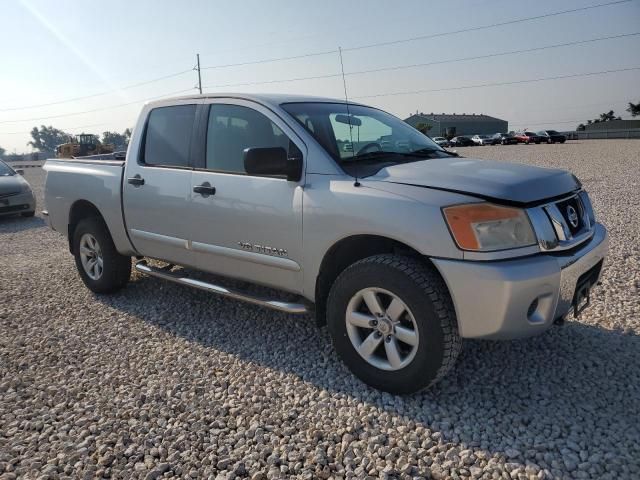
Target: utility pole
column 199, row 76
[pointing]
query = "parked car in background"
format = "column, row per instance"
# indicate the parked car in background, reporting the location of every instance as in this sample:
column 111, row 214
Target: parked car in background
column 529, row 137
column 462, row 141
column 482, row 139
column 16, row 196
column 552, row 136
column 443, row 142
column 504, row 139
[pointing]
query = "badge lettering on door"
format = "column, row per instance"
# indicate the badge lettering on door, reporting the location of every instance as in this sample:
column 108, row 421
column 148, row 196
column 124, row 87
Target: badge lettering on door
column 251, row 247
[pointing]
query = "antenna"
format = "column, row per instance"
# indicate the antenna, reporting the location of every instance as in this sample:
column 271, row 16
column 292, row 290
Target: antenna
column 356, row 183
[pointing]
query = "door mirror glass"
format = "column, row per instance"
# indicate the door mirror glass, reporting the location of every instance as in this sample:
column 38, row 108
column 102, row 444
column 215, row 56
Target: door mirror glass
column 272, row 161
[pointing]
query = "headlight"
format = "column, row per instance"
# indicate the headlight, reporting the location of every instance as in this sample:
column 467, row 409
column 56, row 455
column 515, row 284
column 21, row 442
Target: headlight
column 25, row 188
column 486, row 227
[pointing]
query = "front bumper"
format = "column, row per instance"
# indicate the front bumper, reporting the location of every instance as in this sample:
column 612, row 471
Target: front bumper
column 522, row 297
column 20, row 203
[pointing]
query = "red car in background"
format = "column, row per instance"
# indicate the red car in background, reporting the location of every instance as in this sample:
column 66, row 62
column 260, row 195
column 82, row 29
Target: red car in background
column 529, row 137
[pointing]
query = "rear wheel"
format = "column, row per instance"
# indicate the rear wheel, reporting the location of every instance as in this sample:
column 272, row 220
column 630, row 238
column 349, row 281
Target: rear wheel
column 393, row 324
column 101, row 267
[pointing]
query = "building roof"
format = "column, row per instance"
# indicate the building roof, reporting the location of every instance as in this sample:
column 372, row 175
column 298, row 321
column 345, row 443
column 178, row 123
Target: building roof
column 454, row 117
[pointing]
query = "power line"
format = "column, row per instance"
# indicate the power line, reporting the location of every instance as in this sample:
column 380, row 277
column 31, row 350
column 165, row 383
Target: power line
column 327, row 52
column 37, row 119
column 496, row 84
column 416, row 65
column 485, row 27
column 420, row 37
column 497, row 54
column 271, row 60
column 99, row 94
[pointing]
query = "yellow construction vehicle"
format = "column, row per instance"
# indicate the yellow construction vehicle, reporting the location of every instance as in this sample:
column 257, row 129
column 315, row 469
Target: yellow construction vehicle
column 83, row 145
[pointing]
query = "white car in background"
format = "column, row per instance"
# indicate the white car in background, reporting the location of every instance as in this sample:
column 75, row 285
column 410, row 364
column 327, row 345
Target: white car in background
column 443, row 142
column 482, row 139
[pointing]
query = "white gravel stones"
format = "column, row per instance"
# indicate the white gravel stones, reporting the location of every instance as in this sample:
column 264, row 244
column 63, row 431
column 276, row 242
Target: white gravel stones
column 159, row 381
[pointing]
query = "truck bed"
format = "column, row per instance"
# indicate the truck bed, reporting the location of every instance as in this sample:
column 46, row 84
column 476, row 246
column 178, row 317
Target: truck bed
column 78, row 183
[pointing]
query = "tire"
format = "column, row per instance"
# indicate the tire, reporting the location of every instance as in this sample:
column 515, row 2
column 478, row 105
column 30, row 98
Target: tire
column 429, row 315
column 116, row 268
column 28, row 214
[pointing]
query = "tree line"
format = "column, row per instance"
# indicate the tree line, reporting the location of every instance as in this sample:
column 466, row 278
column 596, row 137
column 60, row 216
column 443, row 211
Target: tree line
column 46, row 138
column 633, row 109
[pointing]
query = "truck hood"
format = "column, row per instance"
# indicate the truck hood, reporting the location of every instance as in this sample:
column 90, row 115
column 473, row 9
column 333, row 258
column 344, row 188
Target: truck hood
column 10, row 184
column 491, row 180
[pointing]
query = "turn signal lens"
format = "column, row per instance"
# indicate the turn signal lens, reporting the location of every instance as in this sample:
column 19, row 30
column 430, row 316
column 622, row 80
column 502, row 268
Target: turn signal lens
column 487, row 227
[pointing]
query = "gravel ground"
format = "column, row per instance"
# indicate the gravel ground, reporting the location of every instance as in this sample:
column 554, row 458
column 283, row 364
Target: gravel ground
column 162, row 381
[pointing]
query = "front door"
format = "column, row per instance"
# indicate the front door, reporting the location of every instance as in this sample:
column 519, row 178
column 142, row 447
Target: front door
column 248, row 227
column 157, row 188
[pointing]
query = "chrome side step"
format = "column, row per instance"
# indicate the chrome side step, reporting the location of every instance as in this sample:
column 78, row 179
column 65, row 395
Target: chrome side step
column 288, row 307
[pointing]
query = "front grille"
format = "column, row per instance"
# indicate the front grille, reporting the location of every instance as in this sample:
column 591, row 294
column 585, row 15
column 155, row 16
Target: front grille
column 573, row 213
column 13, row 208
column 564, row 224
column 8, row 194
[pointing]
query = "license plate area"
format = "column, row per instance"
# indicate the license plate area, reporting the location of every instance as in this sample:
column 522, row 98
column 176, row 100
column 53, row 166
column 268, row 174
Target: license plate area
column 582, row 295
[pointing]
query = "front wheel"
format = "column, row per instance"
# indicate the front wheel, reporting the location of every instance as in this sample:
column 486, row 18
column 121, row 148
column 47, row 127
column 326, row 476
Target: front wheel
column 393, row 323
column 101, row 267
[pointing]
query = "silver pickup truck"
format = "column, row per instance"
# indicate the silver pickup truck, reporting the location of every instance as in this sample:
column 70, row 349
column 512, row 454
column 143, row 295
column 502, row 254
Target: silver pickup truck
column 400, row 247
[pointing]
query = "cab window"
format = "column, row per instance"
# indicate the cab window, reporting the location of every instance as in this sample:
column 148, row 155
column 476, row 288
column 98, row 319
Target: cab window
column 234, row 128
column 168, row 136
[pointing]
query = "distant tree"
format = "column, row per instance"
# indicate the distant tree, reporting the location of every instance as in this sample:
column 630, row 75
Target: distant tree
column 2, row 152
column 634, row 109
column 46, row 139
column 423, row 127
column 580, row 127
column 606, row 117
column 119, row 140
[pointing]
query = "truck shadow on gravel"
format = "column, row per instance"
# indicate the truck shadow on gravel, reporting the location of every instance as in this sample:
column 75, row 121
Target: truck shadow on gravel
column 16, row 224
column 537, row 391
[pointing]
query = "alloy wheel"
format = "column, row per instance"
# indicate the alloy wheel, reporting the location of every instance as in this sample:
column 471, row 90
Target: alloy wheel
column 382, row 329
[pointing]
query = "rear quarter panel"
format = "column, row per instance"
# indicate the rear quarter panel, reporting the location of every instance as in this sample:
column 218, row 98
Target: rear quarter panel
column 99, row 183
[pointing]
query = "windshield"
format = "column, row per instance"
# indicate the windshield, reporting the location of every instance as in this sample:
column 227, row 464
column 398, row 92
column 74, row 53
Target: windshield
column 360, row 133
column 552, row 132
column 5, row 170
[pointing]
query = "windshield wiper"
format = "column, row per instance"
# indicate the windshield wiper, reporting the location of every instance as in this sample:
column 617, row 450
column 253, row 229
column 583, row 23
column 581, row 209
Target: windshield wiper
column 429, row 151
column 423, row 153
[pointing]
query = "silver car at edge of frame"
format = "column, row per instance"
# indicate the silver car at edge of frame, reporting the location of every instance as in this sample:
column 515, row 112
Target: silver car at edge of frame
column 16, row 196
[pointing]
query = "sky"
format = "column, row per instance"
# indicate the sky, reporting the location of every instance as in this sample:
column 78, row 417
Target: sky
column 53, row 52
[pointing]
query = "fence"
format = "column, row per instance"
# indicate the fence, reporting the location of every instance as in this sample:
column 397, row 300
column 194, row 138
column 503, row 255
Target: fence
column 600, row 134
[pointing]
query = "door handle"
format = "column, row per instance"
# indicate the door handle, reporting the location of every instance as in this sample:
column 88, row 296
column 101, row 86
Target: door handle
column 136, row 181
column 205, row 189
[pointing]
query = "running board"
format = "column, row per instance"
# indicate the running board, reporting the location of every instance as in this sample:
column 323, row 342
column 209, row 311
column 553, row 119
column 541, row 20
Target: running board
column 288, row 307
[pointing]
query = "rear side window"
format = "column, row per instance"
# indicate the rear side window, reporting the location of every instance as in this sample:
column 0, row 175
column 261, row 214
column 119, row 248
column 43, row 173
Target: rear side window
column 232, row 129
column 168, row 136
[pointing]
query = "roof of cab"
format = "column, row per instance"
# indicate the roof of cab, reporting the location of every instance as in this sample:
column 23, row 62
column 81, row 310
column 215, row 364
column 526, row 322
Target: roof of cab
column 271, row 99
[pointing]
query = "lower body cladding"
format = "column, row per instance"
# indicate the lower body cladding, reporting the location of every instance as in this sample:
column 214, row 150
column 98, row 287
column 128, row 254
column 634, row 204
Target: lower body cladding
column 519, row 298
column 16, row 204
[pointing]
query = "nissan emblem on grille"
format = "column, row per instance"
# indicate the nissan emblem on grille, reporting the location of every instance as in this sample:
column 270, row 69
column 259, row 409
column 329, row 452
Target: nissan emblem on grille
column 572, row 216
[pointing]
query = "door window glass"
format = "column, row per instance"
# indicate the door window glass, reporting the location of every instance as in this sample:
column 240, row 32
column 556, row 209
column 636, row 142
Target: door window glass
column 232, row 129
column 168, row 135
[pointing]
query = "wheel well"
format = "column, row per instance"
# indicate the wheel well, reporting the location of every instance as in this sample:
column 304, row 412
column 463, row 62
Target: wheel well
column 79, row 211
column 347, row 252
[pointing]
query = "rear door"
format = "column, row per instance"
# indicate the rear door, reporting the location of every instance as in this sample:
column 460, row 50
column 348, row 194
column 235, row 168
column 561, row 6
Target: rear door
column 248, row 227
column 157, row 184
